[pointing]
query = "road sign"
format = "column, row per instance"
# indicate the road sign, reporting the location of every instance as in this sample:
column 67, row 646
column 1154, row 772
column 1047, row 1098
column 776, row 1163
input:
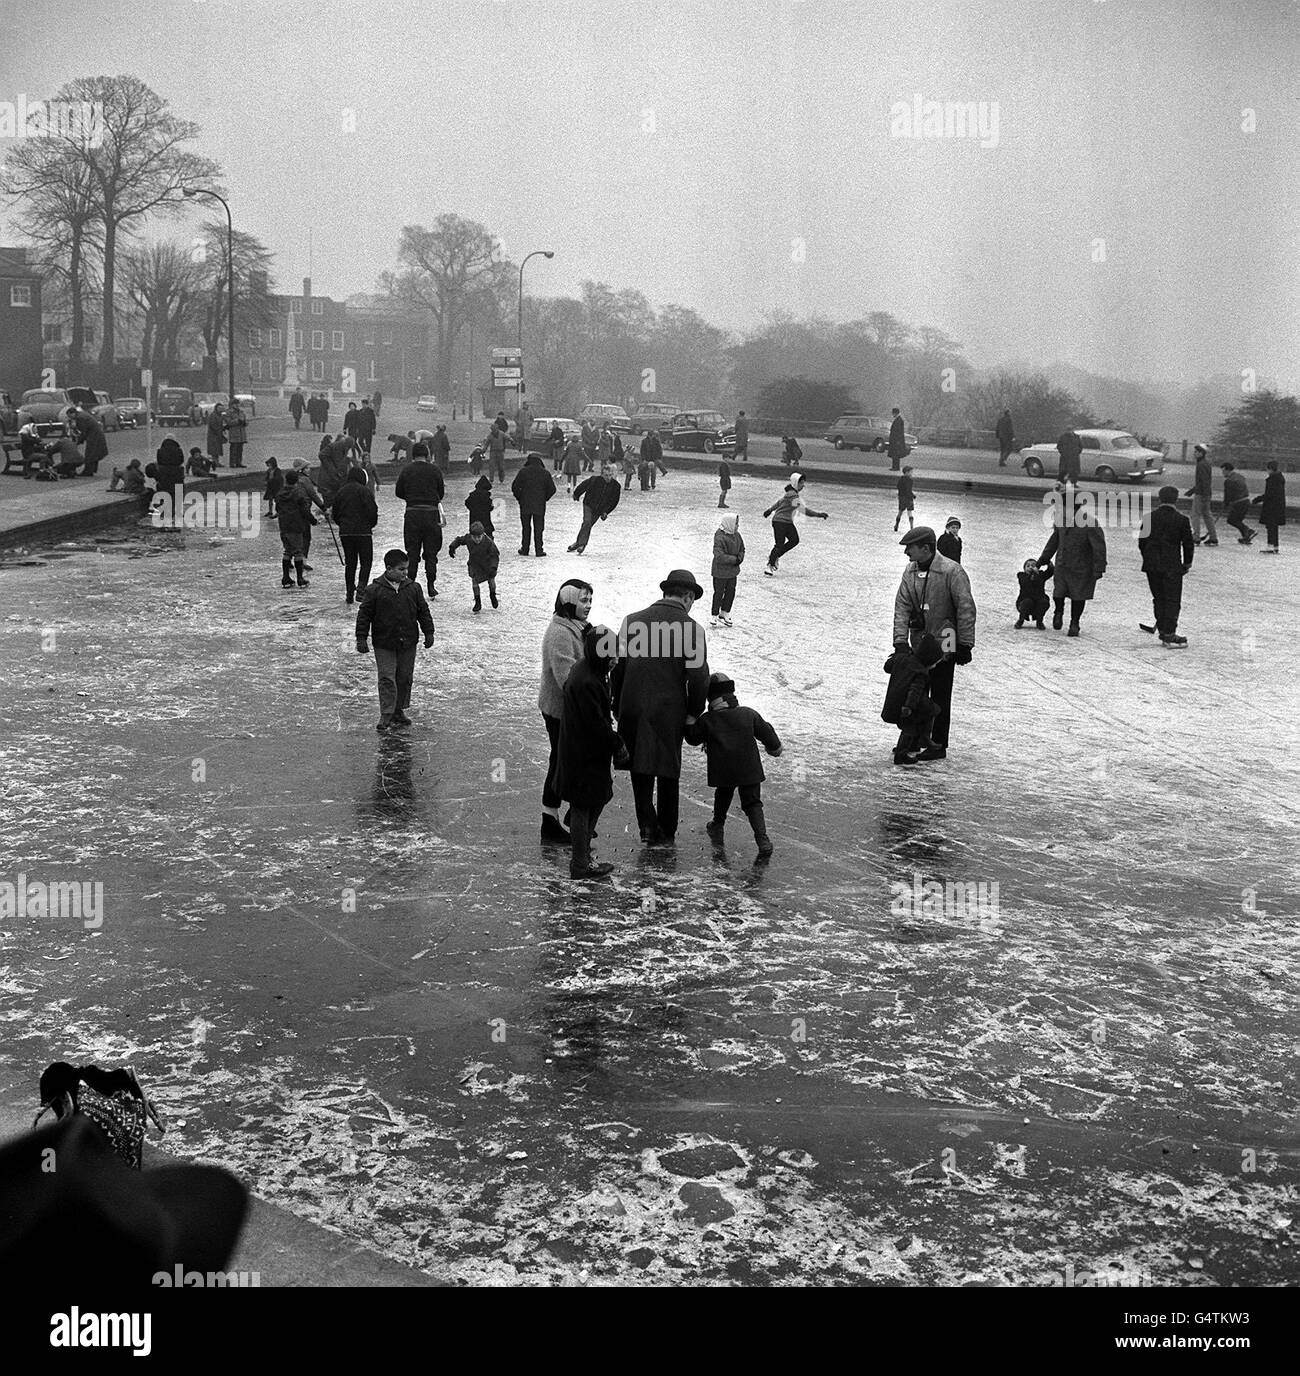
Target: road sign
column 507, row 358
column 507, row 377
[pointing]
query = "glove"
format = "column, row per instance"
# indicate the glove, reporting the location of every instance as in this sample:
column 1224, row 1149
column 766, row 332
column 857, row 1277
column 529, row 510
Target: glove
column 901, row 647
column 963, row 654
column 362, row 648
column 428, row 644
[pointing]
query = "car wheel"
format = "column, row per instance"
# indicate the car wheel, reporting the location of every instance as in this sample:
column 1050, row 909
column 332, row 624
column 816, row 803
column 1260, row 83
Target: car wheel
column 879, row 446
column 709, row 446
column 1034, row 467
column 838, row 441
column 1105, row 473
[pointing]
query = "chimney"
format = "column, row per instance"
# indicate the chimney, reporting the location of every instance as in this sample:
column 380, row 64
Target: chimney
column 306, row 288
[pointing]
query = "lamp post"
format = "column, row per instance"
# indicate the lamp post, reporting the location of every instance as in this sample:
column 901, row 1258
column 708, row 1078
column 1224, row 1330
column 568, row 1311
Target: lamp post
column 189, row 192
column 536, row 253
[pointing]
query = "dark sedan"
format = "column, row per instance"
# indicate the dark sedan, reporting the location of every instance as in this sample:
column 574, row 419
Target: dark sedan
column 705, row 431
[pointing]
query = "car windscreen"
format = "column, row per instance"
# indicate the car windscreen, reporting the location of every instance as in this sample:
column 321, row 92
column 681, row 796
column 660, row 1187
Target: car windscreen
column 1124, row 442
column 38, row 394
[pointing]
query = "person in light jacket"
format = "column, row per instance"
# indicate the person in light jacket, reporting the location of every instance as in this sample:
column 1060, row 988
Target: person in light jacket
column 561, row 650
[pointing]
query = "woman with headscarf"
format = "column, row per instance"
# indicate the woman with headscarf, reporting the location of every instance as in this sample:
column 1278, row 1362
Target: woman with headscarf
column 588, row 747
column 561, row 650
column 728, row 555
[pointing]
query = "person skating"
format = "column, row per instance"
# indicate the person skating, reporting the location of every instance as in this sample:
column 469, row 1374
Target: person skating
column 652, row 451
column 1032, row 600
column 561, row 650
column 495, row 448
column 1080, row 550
column 1202, row 494
column 377, row 401
column 950, row 543
column 599, row 496
column 934, row 597
column 1167, row 548
column 295, row 520
column 479, row 504
column 906, row 498
column 351, row 421
column 303, row 469
column 297, row 403
column 1005, row 432
column 574, row 458
column 785, row 535
column 484, row 559
column 589, row 437
column 897, row 445
column 728, row 555
column 724, row 483
column 588, row 748
column 533, row 487
column 356, row 514
column 1272, row 506
column 660, row 679
column 421, row 487
column 628, row 460
column 393, row 612
column 731, row 735
column 366, row 424
column 908, row 703
column 790, row 451
column 336, row 460
column 274, row 484
column 555, row 446
column 440, row 450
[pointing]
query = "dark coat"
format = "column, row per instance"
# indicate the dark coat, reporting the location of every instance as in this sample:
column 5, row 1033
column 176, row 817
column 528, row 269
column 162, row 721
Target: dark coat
column 296, row 404
column 1069, row 447
column 908, row 691
column 573, row 457
column 479, row 503
column 1272, row 509
column 1168, row 547
column 420, row 484
column 293, row 507
column 1031, row 597
column 94, row 439
column 351, row 422
column 171, row 463
column 906, row 501
column 355, row 510
column 274, row 482
column 1203, row 482
column 216, row 434
column 335, row 462
column 533, row 487
column 599, row 493
column 950, row 547
column 792, row 451
column 236, row 426
column 484, row 558
column 652, row 447
column 1004, row 430
column 588, row 741
column 724, row 476
column 394, row 616
column 366, row 423
column 897, row 439
column 728, row 554
column 661, row 678
column 1080, row 560
column 730, row 735
column 440, row 448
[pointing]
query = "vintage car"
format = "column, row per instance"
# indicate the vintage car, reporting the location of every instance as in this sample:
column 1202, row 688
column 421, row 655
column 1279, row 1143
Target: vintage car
column 134, row 411
column 48, row 409
column 540, row 431
column 1108, row 456
column 99, row 404
column 427, row 403
column 175, row 406
column 652, row 415
column 707, row 431
column 600, row 415
column 864, row 432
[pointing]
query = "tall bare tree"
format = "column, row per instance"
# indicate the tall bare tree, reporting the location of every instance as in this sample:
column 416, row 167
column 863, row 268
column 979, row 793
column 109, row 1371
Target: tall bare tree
column 164, row 283
column 253, row 308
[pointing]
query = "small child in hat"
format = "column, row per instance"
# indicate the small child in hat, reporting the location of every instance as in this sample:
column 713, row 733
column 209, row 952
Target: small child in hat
column 1032, row 600
column 728, row 555
column 908, row 703
column 730, row 735
column 479, row 504
column 949, row 543
column 484, row 560
column 906, row 500
column 724, row 483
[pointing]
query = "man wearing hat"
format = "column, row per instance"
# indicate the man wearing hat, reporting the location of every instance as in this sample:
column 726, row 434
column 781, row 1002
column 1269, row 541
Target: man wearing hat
column 950, row 540
column 1202, row 493
column 1167, row 547
column 661, row 679
column 934, row 598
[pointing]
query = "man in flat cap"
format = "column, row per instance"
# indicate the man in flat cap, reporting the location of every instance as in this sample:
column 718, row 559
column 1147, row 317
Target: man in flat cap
column 660, row 682
column 934, row 598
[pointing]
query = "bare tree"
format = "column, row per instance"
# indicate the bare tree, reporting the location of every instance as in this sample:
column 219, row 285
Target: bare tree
column 164, row 282
column 889, row 331
column 253, row 307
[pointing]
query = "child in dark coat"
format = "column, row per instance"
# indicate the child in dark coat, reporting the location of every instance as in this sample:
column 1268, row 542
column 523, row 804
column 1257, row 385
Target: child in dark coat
column 479, row 504
column 730, row 735
column 1032, row 602
column 587, row 745
column 906, row 500
column 274, row 483
column 908, row 703
column 484, row 560
column 950, row 541
column 724, row 483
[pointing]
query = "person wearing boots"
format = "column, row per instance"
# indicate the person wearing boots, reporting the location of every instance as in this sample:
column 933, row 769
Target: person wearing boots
column 561, row 650
column 479, row 503
column 599, row 496
column 393, row 612
column 296, row 520
column 730, row 735
column 483, row 558
column 1080, row 549
column 1236, row 501
column 1167, row 550
column 533, row 487
column 422, row 488
column 1272, row 505
column 1202, row 494
column 356, row 514
column 588, row 747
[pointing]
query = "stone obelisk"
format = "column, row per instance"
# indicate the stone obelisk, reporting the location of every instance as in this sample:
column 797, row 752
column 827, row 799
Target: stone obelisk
column 291, row 378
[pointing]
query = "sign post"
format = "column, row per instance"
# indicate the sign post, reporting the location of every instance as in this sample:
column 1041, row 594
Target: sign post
column 146, row 386
column 508, row 369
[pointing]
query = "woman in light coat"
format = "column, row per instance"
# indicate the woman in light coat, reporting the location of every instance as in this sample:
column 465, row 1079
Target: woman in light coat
column 561, row 650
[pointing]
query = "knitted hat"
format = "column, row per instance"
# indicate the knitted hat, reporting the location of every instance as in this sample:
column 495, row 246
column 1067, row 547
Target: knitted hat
column 952, row 521
column 719, row 686
column 476, row 528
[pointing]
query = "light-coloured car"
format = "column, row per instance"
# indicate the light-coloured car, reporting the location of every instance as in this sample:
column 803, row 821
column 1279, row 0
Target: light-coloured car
column 428, row 402
column 48, row 409
column 134, row 411
column 865, row 432
column 1108, row 456
column 653, row 415
column 99, row 404
column 599, row 414
column 205, row 401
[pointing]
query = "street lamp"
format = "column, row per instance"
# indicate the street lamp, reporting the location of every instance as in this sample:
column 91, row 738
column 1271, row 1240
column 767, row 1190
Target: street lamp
column 536, row 253
column 189, row 192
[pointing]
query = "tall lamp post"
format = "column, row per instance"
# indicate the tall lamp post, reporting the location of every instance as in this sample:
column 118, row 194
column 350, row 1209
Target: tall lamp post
column 536, row 253
column 189, row 192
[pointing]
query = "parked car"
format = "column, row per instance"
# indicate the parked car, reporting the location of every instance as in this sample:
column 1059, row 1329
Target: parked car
column 653, row 415
column 428, row 402
column 204, row 402
column 540, row 431
column 864, row 432
column 134, row 411
column 1108, row 455
column 614, row 416
column 48, row 409
column 708, row 431
column 175, row 406
column 99, row 404
column 248, row 403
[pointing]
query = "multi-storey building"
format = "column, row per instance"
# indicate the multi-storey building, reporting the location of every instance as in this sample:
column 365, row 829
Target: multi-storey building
column 20, row 322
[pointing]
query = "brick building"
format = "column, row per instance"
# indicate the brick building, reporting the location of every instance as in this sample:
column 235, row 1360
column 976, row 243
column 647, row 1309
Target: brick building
column 364, row 342
column 20, row 322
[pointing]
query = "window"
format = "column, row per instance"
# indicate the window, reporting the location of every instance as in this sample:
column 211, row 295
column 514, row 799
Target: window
column 255, row 369
column 1090, row 441
column 297, row 340
column 52, row 334
column 317, row 307
column 336, row 338
column 318, row 339
column 20, row 296
column 275, row 339
column 318, row 370
column 274, row 369
column 295, row 307
column 254, row 339
column 371, row 375
column 370, row 335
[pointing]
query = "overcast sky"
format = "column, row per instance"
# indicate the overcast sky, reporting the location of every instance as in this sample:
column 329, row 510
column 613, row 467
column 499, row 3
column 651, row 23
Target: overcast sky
column 687, row 148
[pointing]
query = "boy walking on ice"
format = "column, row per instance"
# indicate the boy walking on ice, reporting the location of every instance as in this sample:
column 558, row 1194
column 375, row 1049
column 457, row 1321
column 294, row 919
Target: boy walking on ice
column 393, row 611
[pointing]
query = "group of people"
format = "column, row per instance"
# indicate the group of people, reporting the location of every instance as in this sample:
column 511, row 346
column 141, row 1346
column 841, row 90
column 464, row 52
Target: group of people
column 77, row 452
column 316, row 407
